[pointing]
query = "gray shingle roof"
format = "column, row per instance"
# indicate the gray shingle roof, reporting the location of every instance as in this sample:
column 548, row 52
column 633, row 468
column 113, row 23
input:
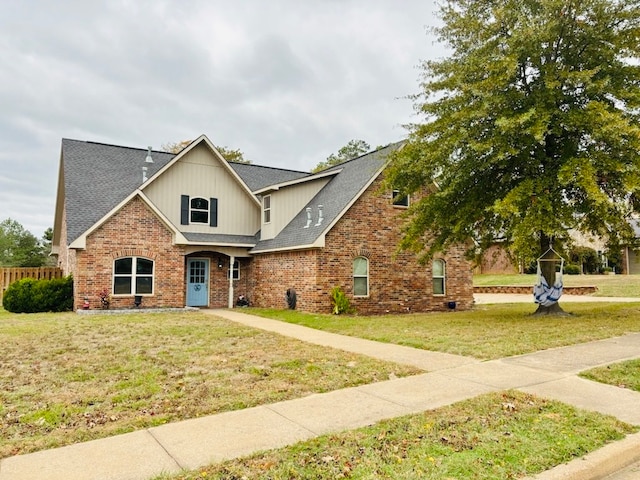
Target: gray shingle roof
column 257, row 177
column 97, row 177
column 221, row 238
column 334, row 198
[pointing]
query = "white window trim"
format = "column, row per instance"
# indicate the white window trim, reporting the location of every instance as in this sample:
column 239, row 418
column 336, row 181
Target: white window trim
column 234, row 269
column 443, row 277
column 396, row 193
column 266, row 210
column 360, row 276
column 133, row 275
column 199, row 210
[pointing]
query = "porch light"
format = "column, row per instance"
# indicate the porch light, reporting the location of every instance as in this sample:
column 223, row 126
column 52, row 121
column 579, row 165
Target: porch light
column 220, row 264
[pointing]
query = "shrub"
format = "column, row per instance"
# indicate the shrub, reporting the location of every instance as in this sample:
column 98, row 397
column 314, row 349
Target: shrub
column 340, row 301
column 571, row 269
column 30, row 296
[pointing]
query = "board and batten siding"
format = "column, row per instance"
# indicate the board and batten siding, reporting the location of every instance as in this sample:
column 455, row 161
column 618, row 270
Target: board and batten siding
column 287, row 202
column 200, row 174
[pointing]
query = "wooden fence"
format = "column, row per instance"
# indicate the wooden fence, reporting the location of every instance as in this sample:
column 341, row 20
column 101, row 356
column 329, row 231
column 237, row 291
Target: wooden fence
column 11, row 274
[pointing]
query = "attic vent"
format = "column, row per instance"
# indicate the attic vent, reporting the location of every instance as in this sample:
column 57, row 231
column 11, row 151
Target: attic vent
column 320, row 217
column 308, row 218
column 148, row 159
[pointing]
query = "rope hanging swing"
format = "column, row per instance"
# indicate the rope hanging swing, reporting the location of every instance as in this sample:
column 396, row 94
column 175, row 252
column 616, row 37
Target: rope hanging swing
column 543, row 293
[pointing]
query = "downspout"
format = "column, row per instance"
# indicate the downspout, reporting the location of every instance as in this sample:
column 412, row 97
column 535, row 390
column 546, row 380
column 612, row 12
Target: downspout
column 232, row 260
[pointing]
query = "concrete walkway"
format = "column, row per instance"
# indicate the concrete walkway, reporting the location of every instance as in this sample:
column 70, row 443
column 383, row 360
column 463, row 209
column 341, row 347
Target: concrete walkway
column 194, row 443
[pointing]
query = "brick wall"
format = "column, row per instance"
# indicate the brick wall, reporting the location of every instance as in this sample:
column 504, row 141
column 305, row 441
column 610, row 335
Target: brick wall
column 132, row 231
column 397, row 282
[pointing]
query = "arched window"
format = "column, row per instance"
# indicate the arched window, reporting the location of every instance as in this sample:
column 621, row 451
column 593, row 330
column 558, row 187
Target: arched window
column 133, row 276
column 361, row 277
column 439, row 276
column 199, row 210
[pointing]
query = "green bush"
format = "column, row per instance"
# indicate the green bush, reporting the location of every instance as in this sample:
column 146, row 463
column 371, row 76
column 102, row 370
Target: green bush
column 571, row 269
column 340, row 301
column 31, row 296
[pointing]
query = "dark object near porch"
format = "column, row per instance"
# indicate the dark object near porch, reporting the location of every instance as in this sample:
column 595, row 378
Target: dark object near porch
column 137, row 300
column 291, row 298
column 451, row 305
column 242, row 301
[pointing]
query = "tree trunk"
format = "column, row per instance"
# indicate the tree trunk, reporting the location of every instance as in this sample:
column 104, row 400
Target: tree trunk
column 554, row 309
column 548, row 268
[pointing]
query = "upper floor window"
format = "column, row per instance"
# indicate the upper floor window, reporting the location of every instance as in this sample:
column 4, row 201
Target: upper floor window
column 439, row 278
column 198, row 210
column 133, row 276
column 399, row 200
column 266, row 208
column 361, row 277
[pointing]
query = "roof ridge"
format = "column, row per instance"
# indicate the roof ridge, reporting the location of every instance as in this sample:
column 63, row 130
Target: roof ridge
column 118, row 146
column 269, row 167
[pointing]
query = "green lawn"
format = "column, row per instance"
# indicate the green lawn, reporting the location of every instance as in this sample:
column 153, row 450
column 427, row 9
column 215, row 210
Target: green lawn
column 624, row 374
column 608, row 285
column 486, row 332
column 67, row 378
column 496, row 436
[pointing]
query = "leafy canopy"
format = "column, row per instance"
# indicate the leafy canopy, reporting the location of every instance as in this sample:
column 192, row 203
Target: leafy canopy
column 530, row 127
column 353, row 149
column 19, row 248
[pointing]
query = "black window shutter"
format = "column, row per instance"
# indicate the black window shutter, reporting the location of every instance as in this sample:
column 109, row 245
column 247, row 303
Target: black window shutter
column 213, row 214
column 184, row 209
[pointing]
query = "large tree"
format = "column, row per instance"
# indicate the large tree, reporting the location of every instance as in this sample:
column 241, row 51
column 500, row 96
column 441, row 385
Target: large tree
column 354, row 148
column 529, row 128
column 18, row 247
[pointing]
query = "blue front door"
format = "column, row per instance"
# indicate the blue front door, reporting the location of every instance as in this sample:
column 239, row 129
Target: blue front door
column 197, row 282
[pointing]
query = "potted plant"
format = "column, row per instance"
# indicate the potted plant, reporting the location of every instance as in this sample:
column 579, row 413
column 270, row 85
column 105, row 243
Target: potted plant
column 105, row 298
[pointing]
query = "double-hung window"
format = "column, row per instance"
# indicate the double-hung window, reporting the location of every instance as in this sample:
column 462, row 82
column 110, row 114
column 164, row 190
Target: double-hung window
column 198, row 210
column 266, row 208
column 438, row 274
column 235, row 271
column 361, row 277
column 133, row 276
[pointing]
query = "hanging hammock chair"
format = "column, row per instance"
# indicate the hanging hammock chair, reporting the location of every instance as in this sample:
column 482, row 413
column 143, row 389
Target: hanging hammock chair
column 543, row 293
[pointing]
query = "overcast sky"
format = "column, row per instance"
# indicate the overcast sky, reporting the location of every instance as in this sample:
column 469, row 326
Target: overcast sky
column 287, row 82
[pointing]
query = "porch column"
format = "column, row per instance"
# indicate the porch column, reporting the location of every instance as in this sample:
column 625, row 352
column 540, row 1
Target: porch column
column 232, row 260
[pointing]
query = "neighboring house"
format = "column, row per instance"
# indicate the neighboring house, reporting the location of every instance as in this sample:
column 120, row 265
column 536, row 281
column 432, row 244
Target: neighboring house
column 193, row 229
column 631, row 253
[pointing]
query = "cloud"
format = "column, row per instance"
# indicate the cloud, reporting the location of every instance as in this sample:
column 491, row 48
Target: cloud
column 286, row 82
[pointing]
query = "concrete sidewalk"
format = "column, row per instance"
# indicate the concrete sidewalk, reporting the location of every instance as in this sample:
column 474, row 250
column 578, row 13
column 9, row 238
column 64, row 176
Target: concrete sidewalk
column 194, row 443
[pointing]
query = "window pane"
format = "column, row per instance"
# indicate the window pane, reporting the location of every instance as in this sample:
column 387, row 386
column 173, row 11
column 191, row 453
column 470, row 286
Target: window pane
column 123, row 266
column 438, row 286
column 438, row 268
column 360, row 287
column 267, row 216
column 144, row 285
column 401, row 200
column 200, row 204
column 360, row 266
column 122, row 285
column 144, row 266
column 199, row 217
column 267, row 202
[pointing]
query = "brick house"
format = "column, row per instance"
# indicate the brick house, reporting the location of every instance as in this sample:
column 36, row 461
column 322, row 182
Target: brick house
column 193, row 229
